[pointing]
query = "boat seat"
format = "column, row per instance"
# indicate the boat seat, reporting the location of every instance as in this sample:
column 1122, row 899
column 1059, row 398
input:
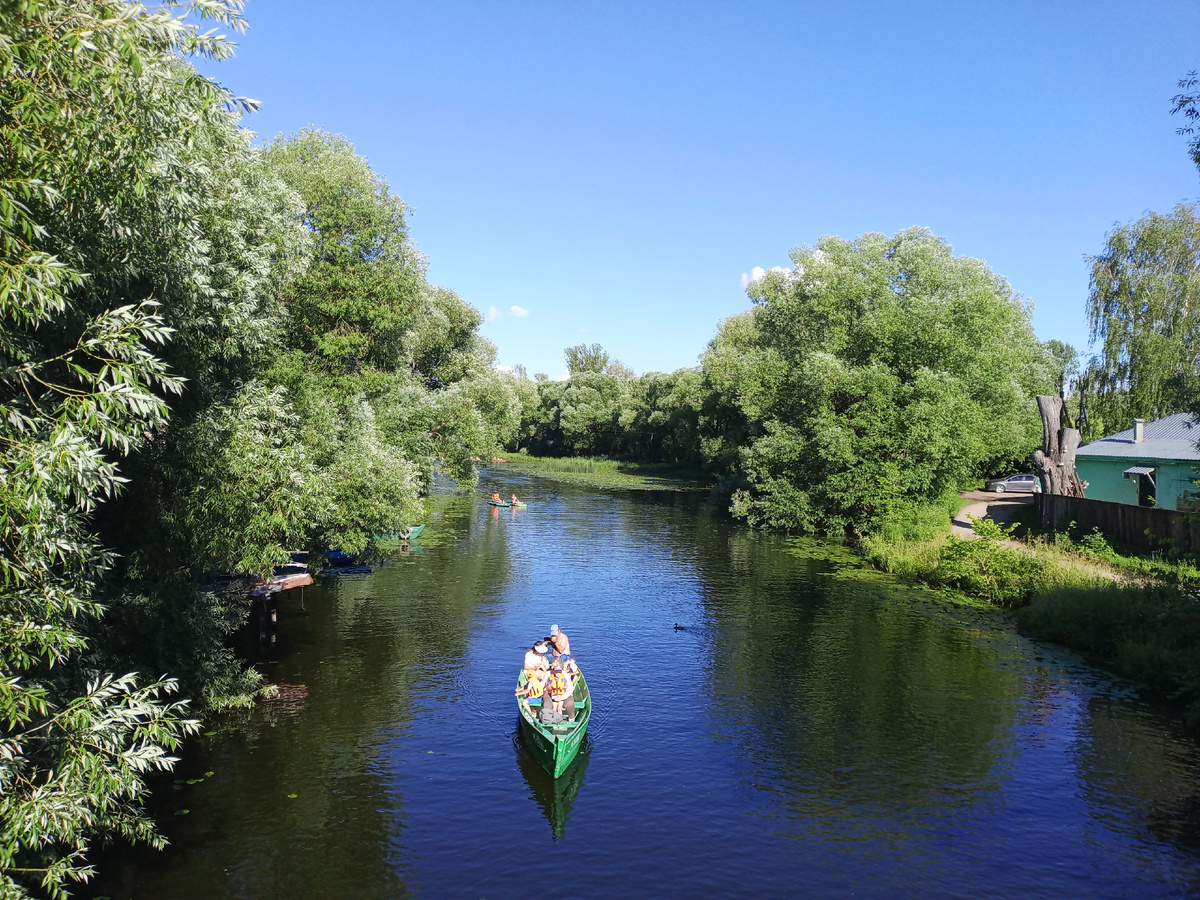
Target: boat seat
column 538, row 702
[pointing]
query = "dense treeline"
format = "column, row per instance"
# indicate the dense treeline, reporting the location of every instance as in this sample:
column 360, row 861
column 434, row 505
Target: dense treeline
column 870, row 380
column 209, row 354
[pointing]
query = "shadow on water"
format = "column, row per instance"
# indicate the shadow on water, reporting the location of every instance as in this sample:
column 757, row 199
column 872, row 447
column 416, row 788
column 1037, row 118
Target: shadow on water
column 555, row 796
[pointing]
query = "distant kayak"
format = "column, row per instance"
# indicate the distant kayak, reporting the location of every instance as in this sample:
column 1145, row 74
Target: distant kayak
column 506, row 503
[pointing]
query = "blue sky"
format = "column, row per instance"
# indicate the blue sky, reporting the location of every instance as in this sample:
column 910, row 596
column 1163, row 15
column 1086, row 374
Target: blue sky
column 612, row 169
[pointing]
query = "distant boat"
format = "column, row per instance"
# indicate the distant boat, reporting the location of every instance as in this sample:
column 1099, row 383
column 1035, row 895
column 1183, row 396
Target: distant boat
column 389, row 541
column 499, row 503
column 555, row 746
column 336, row 558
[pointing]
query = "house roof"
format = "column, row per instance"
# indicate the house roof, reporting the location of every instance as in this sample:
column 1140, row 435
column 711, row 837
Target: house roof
column 1174, row 437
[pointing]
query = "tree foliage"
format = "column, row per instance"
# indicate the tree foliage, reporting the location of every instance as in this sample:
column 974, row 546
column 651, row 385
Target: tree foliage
column 209, row 354
column 97, row 117
column 1144, row 309
column 882, row 371
column 1187, row 103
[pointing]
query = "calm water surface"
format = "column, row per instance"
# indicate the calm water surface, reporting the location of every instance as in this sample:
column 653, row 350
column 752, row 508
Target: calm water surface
column 811, row 731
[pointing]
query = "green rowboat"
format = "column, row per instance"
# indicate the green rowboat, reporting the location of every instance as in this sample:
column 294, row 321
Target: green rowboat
column 392, row 541
column 555, row 746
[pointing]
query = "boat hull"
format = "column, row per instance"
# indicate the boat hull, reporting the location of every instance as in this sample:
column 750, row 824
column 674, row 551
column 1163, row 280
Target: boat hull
column 555, row 747
column 392, row 541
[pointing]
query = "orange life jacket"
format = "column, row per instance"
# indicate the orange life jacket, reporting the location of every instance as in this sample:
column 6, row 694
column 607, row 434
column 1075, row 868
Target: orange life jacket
column 496, row 497
column 558, row 685
column 533, row 686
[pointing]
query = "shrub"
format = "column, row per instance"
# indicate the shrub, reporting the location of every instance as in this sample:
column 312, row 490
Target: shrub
column 983, row 568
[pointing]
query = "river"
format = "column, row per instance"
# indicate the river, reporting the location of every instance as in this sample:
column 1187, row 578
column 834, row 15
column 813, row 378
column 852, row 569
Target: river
column 809, row 729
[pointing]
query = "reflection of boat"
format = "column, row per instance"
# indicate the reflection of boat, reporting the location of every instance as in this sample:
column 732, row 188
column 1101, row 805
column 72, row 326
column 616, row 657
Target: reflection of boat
column 554, row 746
column 392, row 541
column 555, row 796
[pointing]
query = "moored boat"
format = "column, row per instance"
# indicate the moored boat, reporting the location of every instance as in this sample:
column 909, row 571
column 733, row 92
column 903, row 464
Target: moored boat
column 555, row 746
column 388, row 541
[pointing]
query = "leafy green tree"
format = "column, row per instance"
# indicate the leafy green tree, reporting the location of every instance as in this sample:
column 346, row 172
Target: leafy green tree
column 365, row 287
column 662, row 420
column 1144, row 308
column 1187, row 102
column 1065, row 360
column 882, row 371
column 97, row 114
column 582, row 358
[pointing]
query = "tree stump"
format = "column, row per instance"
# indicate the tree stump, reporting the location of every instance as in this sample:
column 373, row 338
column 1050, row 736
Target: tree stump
column 1055, row 462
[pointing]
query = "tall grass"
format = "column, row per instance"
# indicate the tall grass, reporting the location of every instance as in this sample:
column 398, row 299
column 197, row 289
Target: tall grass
column 1148, row 633
column 602, row 472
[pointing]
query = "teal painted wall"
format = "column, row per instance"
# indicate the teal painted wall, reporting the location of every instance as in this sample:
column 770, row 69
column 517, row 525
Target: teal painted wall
column 1106, row 481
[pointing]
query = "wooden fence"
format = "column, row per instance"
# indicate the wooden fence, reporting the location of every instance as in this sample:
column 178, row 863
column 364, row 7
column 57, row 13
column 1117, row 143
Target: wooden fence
column 1137, row 526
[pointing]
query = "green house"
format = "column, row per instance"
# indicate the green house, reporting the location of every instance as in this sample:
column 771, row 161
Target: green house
column 1150, row 464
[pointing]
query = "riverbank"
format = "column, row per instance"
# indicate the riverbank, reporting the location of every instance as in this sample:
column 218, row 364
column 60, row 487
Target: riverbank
column 1134, row 614
column 599, row 472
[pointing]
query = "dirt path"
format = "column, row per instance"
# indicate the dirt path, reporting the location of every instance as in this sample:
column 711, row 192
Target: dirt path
column 1000, row 508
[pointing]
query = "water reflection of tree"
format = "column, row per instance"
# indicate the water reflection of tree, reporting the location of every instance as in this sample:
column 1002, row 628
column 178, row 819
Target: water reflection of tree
column 1142, row 769
column 847, row 698
column 359, row 646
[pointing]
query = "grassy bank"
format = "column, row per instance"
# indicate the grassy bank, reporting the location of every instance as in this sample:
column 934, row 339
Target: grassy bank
column 609, row 473
column 1136, row 614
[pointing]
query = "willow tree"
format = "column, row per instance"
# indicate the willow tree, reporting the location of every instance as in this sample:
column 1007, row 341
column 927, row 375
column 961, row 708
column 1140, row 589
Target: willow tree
column 1144, row 309
column 96, row 114
column 879, row 372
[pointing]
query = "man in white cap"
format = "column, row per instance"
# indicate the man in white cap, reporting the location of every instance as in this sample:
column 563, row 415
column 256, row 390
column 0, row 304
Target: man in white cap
column 559, row 640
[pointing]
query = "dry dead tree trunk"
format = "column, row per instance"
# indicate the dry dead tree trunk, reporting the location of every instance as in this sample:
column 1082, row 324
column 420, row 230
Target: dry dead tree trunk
column 1055, row 462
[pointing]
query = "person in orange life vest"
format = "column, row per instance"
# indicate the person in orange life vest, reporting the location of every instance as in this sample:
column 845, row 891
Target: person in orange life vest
column 548, row 715
column 559, row 639
column 496, row 498
column 535, row 686
column 559, row 687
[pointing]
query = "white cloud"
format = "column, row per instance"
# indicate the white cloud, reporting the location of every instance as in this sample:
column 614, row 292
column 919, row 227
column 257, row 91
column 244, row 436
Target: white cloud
column 518, row 311
column 758, row 273
column 493, row 314
column 754, row 274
